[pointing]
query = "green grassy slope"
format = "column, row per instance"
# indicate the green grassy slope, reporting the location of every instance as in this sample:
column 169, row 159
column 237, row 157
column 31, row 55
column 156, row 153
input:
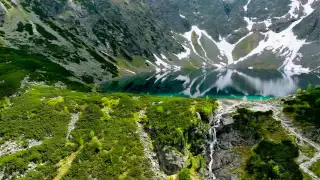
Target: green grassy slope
column 247, row 45
column 15, row 65
column 105, row 143
column 305, row 107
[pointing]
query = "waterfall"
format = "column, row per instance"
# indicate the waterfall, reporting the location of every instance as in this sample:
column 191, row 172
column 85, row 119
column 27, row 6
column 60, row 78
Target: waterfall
column 225, row 107
column 213, row 141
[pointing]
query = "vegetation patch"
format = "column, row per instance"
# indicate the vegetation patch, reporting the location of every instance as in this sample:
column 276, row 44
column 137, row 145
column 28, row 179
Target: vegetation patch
column 274, row 160
column 305, row 107
column 173, row 124
column 258, row 125
column 273, row 154
column 45, row 33
column 247, row 45
column 197, row 46
column 105, row 64
column 104, row 143
column 174, row 121
column 25, row 27
column 315, row 167
column 6, row 4
column 308, row 150
column 15, row 65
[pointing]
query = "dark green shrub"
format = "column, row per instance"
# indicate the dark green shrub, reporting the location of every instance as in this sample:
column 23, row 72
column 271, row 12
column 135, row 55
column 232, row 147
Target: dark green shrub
column 184, row 174
column 274, row 161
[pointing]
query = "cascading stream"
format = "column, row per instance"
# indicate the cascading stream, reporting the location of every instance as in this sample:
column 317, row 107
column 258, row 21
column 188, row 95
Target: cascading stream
column 213, row 142
column 225, row 107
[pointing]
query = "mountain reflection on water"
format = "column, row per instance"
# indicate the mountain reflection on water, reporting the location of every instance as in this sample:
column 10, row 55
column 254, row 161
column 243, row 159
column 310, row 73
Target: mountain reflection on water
column 221, row 82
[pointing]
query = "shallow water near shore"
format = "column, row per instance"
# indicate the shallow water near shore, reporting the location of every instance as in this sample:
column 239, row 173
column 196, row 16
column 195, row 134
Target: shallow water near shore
column 215, row 83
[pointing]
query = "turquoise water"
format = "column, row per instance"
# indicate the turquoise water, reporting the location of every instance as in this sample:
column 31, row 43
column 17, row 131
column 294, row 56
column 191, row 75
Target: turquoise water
column 215, row 83
column 252, row 98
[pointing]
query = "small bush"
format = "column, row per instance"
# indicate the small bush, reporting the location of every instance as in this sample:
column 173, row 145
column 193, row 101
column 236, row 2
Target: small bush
column 184, row 174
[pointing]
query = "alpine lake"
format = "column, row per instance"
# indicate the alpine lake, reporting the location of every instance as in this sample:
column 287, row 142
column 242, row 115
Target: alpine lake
column 248, row 84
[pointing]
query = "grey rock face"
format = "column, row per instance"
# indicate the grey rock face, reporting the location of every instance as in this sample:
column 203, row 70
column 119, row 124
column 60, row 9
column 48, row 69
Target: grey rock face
column 171, row 161
column 225, row 159
column 236, row 35
column 313, row 134
column 309, row 27
column 309, row 56
column 265, row 60
column 264, row 9
column 281, row 24
column 224, row 162
column 259, row 27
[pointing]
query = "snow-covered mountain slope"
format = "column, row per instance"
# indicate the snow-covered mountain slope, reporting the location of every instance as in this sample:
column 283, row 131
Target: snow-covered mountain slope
column 99, row 39
column 265, row 41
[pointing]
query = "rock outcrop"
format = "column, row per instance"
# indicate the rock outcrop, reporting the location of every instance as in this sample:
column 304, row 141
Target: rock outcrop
column 171, row 161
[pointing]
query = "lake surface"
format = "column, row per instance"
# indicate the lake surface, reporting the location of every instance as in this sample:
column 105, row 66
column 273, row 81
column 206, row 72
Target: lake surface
column 215, row 83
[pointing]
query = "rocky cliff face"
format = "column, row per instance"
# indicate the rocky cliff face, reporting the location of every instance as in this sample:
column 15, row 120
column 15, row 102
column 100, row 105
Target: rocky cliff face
column 96, row 40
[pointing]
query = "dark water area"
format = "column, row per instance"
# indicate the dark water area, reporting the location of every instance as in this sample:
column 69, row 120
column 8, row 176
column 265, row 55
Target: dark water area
column 215, row 83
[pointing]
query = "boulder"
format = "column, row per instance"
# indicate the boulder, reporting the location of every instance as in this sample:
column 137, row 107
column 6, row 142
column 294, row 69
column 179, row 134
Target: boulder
column 261, row 27
column 171, row 161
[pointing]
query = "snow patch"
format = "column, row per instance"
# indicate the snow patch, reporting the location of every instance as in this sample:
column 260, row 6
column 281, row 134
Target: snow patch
column 284, row 43
column 182, row 16
column 162, row 76
column 163, row 65
column 163, row 57
column 129, row 71
column 186, row 79
column 224, row 47
column 295, row 6
column 188, row 36
column 246, row 6
column 156, row 67
column 160, row 62
column 185, row 54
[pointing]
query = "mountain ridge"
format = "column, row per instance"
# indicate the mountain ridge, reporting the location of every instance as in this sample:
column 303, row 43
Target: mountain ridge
column 97, row 40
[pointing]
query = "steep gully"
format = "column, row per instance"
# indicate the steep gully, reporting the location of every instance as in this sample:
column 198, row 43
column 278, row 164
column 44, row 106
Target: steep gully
column 230, row 106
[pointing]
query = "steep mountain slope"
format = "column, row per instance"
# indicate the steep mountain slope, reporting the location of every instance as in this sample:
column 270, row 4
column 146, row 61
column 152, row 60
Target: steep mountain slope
column 99, row 39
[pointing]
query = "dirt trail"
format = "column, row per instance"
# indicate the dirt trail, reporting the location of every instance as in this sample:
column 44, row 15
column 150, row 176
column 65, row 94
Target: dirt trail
column 290, row 128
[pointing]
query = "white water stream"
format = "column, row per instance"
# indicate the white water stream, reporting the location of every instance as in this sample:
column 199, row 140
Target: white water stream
column 225, row 107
